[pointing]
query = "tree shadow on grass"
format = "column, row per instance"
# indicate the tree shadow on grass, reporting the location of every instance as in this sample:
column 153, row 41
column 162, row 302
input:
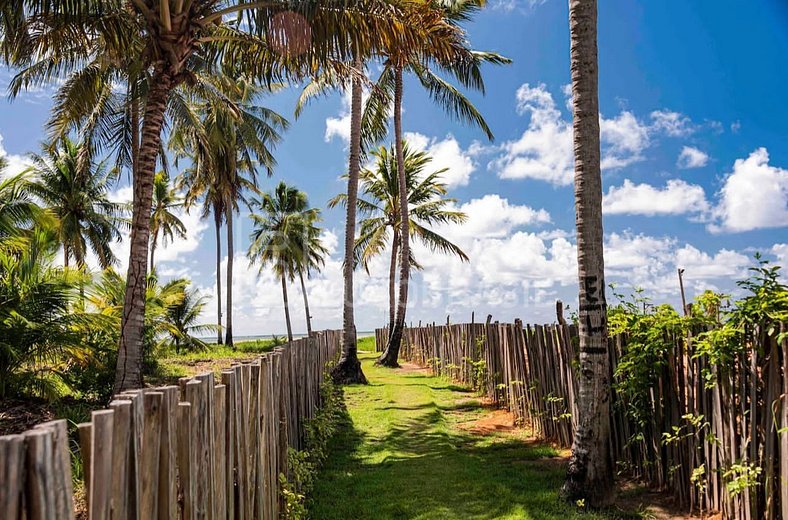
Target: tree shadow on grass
column 422, row 467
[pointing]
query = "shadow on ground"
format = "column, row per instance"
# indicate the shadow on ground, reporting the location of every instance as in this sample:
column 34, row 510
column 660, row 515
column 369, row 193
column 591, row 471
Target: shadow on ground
column 400, row 454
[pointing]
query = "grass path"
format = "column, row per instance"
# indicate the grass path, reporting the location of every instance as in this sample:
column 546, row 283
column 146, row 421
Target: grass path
column 403, row 453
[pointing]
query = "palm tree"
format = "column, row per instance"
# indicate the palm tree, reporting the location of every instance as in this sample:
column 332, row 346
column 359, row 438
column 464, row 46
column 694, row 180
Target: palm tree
column 76, row 191
column 381, row 210
column 311, row 256
column 348, row 368
column 460, row 62
column 590, row 473
column 41, row 332
column 162, row 218
column 227, row 145
column 182, row 319
column 18, row 211
column 168, row 38
column 277, row 237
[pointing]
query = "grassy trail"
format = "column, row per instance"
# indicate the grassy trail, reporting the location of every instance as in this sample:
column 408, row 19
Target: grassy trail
column 405, row 452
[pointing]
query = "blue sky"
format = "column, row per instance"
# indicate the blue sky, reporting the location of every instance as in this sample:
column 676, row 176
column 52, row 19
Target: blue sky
column 694, row 159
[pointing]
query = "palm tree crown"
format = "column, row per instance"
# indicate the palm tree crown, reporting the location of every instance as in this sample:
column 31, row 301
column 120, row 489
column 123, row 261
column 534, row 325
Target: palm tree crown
column 76, row 191
column 163, row 220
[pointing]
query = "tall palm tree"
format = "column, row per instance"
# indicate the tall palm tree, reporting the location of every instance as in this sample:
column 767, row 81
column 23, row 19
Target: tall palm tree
column 381, row 210
column 58, row 38
column 348, row 368
column 278, row 236
column 462, row 63
column 76, row 191
column 163, row 220
column 227, row 145
column 590, row 473
column 311, row 256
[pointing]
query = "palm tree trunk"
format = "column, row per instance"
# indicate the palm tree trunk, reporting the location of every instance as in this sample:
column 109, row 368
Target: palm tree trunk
column 287, row 310
column 128, row 373
column 590, row 473
column 228, row 337
column 348, row 369
column 65, row 256
column 390, row 355
column 393, row 280
column 217, row 221
column 154, row 239
column 306, row 305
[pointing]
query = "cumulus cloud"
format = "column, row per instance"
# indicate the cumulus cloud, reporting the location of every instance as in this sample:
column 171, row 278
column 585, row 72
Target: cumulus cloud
column 753, row 196
column 16, row 163
column 675, row 198
column 672, row 123
column 445, row 153
column 545, row 151
column 691, row 157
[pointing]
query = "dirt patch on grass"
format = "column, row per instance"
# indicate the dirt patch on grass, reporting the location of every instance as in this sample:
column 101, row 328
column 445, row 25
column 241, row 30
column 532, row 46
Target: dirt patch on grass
column 412, row 368
column 496, row 421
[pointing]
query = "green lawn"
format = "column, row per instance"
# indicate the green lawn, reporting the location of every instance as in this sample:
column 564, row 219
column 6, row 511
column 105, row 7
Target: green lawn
column 401, row 454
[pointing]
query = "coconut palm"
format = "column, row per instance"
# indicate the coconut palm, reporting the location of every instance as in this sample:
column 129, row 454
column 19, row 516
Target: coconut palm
column 41, row 333
column 590, row 473
column 380, row 206
column 163, row 220
column 311, row 257
column 76, row 191
column 182, row 320
column 461, row 63
column 18, row 211
column 57, row 38
column 278, row 236
column 227, row 145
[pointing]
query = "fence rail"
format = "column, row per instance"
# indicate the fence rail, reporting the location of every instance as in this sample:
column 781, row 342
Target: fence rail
column 209, row 448
column 720, row 447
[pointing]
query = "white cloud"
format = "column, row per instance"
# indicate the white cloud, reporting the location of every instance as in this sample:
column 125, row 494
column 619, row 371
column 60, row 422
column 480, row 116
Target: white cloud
column 545, row 149
column 672, row 123
column 691, row 157
column 340, row 126
column 16, row 163
column 753, row 196
column 700, row 265
column 676, row 198
column 493, row 216
column 445, row 153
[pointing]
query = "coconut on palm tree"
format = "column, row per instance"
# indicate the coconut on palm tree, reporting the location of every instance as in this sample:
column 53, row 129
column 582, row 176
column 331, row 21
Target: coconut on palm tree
column 281, row 231
column 75, row 190
column 590, row 473
column 163, row 220
column 231, row 138
column 380, row 226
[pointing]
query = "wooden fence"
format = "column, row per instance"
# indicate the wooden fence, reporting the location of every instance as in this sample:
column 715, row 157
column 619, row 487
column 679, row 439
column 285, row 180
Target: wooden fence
column 210, row 448
column 720, row 447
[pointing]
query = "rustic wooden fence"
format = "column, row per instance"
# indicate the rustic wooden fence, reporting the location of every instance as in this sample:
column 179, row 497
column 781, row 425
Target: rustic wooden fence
column 210, row 448
column 721, row 447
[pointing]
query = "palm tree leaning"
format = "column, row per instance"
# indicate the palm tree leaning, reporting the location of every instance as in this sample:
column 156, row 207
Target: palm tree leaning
column 174, row 35
column 590, row 473
column 380, row 207
column 163, row 220
column 445, row 50
column 76, row 191
column 278, row 236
